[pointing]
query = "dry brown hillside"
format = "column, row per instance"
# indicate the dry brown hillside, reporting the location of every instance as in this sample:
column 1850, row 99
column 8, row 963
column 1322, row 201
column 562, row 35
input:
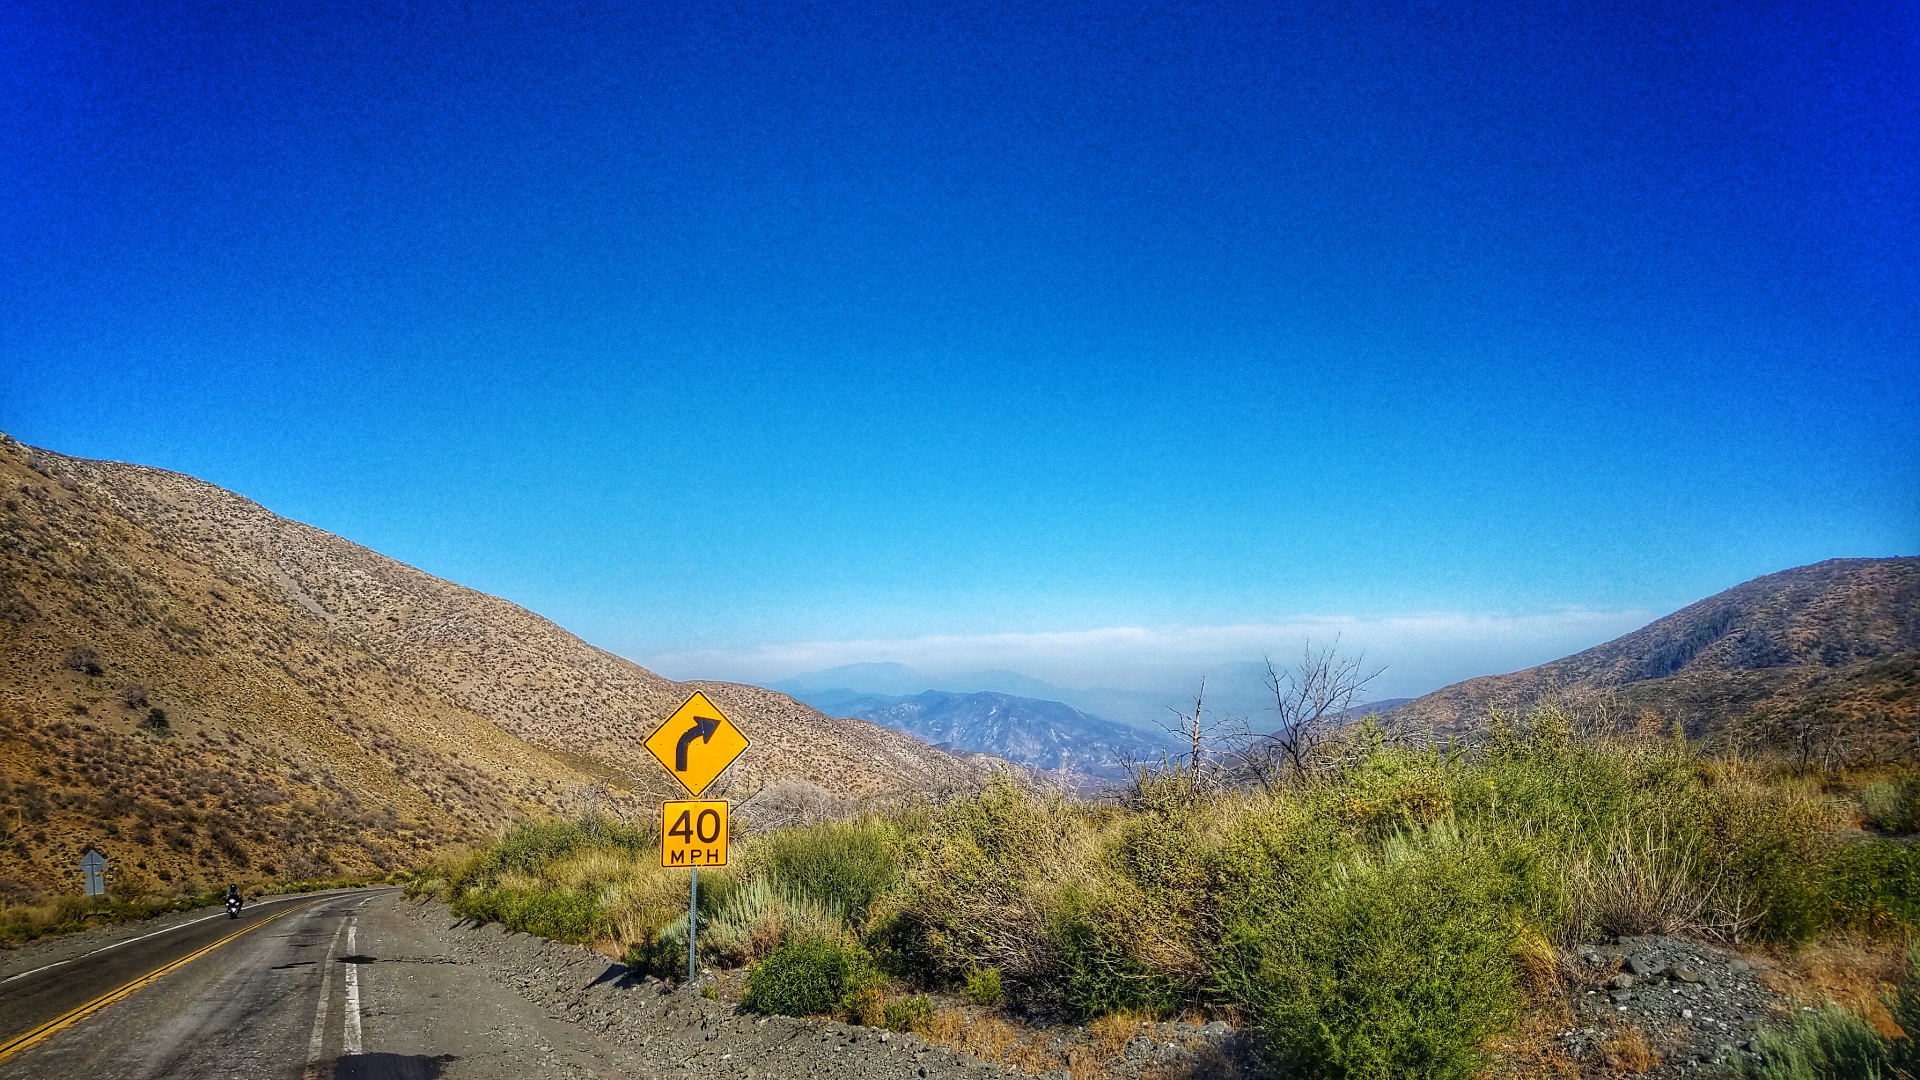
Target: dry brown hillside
column 1820, row 660
column 326, row 708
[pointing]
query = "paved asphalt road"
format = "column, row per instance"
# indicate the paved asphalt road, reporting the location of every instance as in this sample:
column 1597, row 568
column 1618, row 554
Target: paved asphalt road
column 271, row 994
column 363, row 985
column 343, row 986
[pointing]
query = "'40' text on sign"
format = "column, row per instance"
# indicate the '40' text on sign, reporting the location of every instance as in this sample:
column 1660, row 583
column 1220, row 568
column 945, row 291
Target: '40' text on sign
column 693, row 833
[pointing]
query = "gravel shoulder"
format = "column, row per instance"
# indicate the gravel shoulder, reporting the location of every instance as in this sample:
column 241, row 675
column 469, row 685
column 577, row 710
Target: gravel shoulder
column 1697, row 1006
column 605, row 1024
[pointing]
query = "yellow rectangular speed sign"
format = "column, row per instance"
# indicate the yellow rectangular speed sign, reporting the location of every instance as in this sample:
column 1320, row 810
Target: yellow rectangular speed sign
column 693, row 833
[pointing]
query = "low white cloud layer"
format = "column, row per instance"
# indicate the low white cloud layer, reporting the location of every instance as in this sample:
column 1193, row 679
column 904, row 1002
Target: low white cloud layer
column 1420, row 651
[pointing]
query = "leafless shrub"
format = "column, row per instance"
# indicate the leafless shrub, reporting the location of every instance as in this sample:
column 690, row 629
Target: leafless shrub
column 84, row 660
column 1207, row 739
column 786, row 802
column 133, row 696
column 1312, row 701
column 13, row 891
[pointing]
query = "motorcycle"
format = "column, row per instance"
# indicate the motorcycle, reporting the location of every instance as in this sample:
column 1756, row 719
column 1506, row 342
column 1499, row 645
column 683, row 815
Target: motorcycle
column 233, row 907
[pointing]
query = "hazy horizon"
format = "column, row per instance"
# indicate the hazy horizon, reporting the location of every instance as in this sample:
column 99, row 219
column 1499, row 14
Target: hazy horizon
column 1416, row 653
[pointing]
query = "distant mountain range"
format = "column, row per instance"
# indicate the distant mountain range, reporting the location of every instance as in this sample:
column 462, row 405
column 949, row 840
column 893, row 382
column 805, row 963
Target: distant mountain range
column 1233, row 689
column 1037, row 733
column 1048, row 736
column 1825, row 655
column 1041, row 733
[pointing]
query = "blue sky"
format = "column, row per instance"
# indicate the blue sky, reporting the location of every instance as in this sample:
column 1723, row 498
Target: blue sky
column 1095, row 341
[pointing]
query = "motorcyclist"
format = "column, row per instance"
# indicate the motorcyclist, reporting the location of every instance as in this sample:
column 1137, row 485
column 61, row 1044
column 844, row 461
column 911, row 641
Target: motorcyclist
column 233, row 900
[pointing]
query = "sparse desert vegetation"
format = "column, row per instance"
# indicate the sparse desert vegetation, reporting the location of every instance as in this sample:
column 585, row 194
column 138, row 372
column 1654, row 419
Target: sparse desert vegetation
column 205, row 691
column 1392, row 915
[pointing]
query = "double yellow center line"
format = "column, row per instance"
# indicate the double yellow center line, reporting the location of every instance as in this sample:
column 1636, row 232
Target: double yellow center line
column 74, row 1016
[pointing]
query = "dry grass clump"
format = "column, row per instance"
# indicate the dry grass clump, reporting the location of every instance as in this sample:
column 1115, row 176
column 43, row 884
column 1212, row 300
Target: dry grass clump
column 1110, row 1034
column 1857, row 972
column 983, row 1035
column 1626, row 1051
column 1638, row 883
column 1533, row 1050
column 992, row 1037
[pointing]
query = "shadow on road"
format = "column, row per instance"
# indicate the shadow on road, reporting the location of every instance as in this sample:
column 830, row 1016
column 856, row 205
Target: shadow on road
column 390, row 1066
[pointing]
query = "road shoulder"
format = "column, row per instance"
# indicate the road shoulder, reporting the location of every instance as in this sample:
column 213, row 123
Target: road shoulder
column 599, row 1019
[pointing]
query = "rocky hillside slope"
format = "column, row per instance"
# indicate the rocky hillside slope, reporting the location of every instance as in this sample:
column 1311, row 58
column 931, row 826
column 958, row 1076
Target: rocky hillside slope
column 1822, row 660
column 325, row 708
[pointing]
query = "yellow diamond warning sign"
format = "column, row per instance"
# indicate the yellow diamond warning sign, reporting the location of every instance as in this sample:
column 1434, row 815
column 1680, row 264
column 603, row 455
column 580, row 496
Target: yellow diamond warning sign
column 697, row 743
column 693, row 834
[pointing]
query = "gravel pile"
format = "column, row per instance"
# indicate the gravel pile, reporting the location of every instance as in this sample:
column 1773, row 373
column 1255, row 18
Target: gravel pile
column 1698, row 1005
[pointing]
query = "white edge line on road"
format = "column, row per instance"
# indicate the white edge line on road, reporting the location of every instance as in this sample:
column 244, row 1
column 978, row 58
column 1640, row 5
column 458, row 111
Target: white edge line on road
column 317, row 1042
column 351, row 1035
column 115, row 945
column 143, row 937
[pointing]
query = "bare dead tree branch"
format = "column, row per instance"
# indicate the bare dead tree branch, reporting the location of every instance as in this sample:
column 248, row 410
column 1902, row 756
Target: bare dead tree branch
column 1311, row 701
column 1205, row 737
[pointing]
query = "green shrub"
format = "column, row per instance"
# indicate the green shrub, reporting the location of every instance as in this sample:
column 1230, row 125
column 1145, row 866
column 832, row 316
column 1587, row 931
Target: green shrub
column 1096, row 975
column 905, row 946
column 1829, row 1043
column 532, row 846
column 966, row 897
column 1894, row 806
column 1272, row 853
column 556, row 915
column 843, row 866
column 866, row 1004
column 660, row 955
column 909, row 1013
column 1393, row 967
column 1395, row 789
column 1773, row 849
column 809, row 976
column 1875, row 885
column 983, row 986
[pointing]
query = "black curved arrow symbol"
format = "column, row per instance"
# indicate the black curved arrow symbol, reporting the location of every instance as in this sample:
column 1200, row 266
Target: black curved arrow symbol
column 703, row 726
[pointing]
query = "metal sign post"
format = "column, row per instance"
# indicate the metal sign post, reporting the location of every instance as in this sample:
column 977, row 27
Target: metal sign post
column 695, row 745
column 693, row 834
